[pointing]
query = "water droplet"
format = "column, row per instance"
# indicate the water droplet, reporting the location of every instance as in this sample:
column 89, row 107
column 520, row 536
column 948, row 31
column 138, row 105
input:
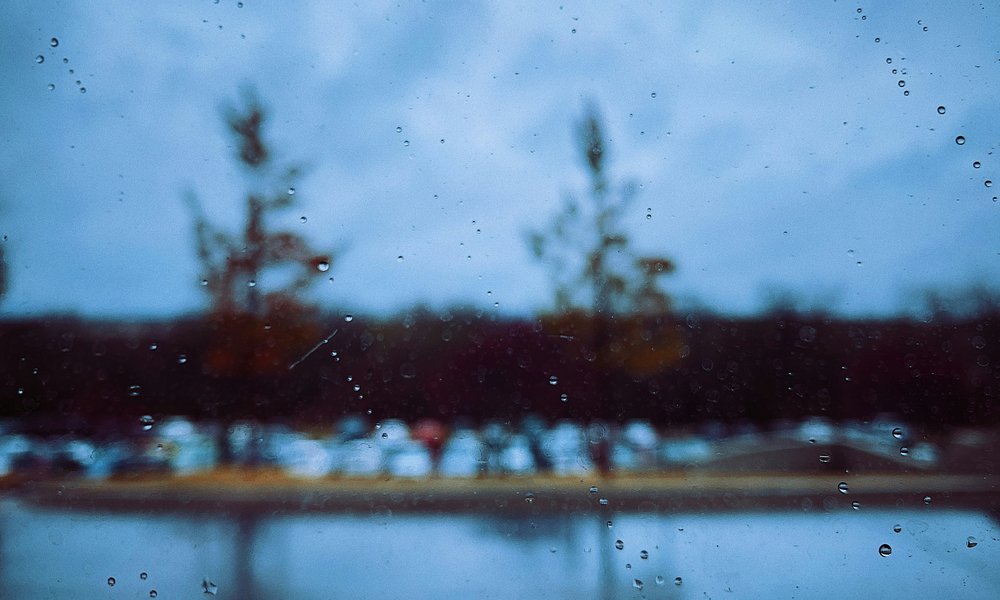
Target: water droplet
column 209, row 587
column 303, row 219
column 610, row 525
column 901, row 83
column 553, row 380
column 619, row 544
column 824, row 458
column 152, row 593
column 970, row 542
column 143, row 576
column 147, row 422
column 604, row 502
column 652, row 95
column 51, row 86
column 239, row 5
column 856, row 505
column 399, row 258
column 252, row 283
column 885, row 550
column 927, row 499
column 897, row 433
column 976, row 164
column 406, row 143
column 643, row 554
column 660, row 580
column 888, row 61
column 442, row 140
column 897, row 528
column 960, row 140
column 906, row 92
column 637, row 584
column 904, row 451
column 83, row 90
column 182, row 359
column 291, row 191
column 988, row 183
column 323, row 266
column 153, row 346
column 39, row 59
column 925, row 28
column 54, row 42
column 204, row 282
column 65, row 61
column 860, row 10
column 399, row 129
column 348, row 318
column 593, row 490
column 134, row 390
column 941, row 110
column 111, row 581
column 678, row 580
column 877, row 40
column 842, row 487
column 564, row 397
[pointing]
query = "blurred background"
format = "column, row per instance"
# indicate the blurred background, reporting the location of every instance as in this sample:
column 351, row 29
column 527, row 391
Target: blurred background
column 565, row 281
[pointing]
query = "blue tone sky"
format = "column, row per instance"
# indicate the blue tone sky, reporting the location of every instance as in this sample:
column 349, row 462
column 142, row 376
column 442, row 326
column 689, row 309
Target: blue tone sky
column 775, row 149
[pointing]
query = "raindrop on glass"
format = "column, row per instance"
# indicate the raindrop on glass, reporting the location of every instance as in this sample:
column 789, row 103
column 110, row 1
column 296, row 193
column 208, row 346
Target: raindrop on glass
column 593, row 490
column 323, row 266
column 399, row 258
column 988, row 183
column 182, row 359
column 842, row 487
column 54, row 42
column 904, row 451
column 147, row 422
column 960, row 140
column 143, row 576
column 678, row 580
column 152, row 593
column 897, row 433
column 529, row 498
column 39, row 59
column 348, row 318
column 619, row 544
column 251, row 283
column 643, row 554
column 111, row 581
column 659, row 580
column 637, row 584
column 291, row 191
column 564, row 397
column 856, row 505
column 553, row 380
column 406, row 143
column 885, row 550
column 941, row 110
column 824, row 458
column 652, row 95
column 888, row 61
column 901, row 83
column 976, row 164
column 610, row 524
column 897, row 528
column 970, row 542
column 52, row 86
column 399, row 129
column 604, row 502
column 83, row 90
column 927, row 499
column 208, row 587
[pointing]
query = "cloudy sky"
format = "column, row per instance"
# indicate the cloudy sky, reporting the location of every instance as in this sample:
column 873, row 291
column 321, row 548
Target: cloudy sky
column 776, row 148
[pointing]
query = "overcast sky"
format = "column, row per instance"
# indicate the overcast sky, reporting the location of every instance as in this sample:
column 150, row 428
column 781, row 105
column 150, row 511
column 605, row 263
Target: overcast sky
column 774, row 146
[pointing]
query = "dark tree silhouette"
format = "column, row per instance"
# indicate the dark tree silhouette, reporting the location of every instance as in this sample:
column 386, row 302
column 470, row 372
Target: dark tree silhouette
column 260, row 326
column 232, row 264
column 607, row 297
column 587, row 250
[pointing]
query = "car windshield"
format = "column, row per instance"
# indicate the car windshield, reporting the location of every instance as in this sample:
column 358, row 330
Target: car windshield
column 519, row 299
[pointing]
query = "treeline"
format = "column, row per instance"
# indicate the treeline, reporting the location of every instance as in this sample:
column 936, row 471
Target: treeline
column 672, row 370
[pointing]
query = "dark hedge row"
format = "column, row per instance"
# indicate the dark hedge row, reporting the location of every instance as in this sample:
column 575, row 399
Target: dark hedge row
column 679, row 369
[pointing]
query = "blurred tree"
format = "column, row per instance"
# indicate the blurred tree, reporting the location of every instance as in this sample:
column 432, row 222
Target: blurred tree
column 587, row 249
column 606, row 296
column 262, row 325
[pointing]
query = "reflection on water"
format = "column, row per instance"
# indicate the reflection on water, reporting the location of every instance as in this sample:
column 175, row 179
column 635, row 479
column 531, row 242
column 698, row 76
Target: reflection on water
column 45, row 554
